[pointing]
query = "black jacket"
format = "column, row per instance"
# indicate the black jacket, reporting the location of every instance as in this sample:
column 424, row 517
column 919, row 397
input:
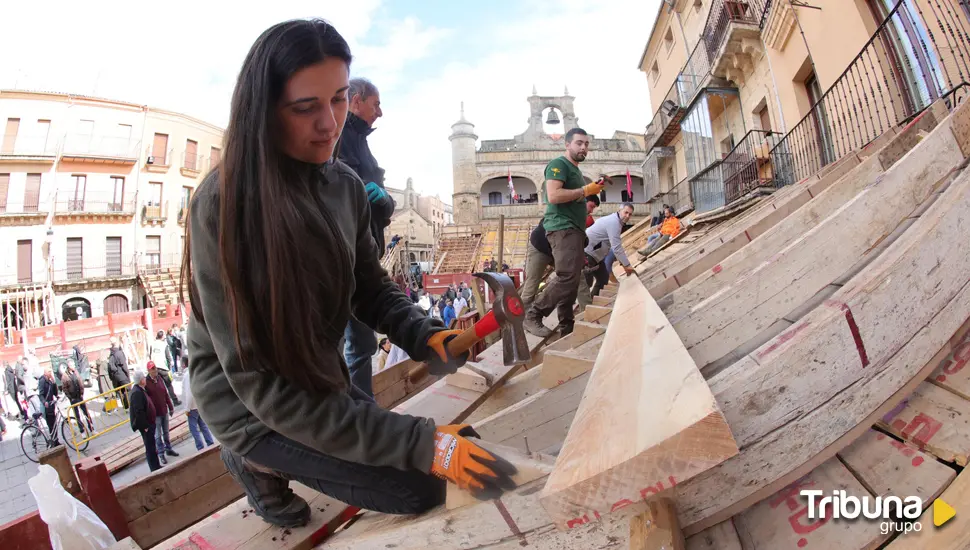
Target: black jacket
column 242, row 405
column 353, row 150
column 47, row 390
column 142, row 410
column 12, row 382
column 118, row 367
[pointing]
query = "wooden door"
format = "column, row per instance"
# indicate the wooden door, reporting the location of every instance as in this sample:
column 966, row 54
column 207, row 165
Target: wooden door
column 10, row 135
column 32, row 193
column 116, row 303
column 24, row 257
column 159, row 148
column 75, row 259
column 112, row 249
column 765, row 121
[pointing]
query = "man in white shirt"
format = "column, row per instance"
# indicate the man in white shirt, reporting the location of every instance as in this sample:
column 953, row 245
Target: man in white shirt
column 460, row 305
column 604, row 235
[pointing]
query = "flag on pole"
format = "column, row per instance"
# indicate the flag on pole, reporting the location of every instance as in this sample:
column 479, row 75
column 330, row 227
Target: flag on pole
column 629, row 186
column 512, row 187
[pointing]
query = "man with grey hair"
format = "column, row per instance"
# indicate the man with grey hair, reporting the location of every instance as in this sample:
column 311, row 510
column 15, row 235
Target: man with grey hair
column 605, row 236
column 365, row 108
column 142, row 416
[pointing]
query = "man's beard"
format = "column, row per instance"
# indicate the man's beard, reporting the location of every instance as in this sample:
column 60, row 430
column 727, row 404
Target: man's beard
column 577, row 157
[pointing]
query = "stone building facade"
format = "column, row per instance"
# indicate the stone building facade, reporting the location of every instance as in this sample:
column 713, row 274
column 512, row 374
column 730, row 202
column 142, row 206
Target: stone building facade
column 481, row 172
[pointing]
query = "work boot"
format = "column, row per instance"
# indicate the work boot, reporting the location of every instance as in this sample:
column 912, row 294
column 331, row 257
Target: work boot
column 162, row 459
column 533, row 324
column 565, row 328
column 267, row 492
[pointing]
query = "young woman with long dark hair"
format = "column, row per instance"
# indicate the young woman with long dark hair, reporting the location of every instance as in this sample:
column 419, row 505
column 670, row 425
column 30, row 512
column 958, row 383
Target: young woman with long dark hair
column 279, row 254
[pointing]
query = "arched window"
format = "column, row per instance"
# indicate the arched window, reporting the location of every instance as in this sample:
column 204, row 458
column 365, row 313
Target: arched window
column 76, row 308
column 116, row 303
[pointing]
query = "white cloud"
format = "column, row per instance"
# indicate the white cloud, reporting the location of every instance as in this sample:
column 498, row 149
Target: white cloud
column 184, row 55
column 593, row 48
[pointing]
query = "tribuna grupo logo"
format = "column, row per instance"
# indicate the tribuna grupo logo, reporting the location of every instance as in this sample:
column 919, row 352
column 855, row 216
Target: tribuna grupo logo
column 897, row 514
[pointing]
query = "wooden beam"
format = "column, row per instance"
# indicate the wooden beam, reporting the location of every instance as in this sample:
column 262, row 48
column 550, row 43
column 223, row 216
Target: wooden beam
column 197, row 504
column 936, row 421
column 467, row 378
column 559, row 367
column 952, row 536
column 722, row 536
column 595, row 314
column 647, row 417
column 788, row 416
column 57, row 458
column 781, row 521
column 760, row 285
column 657, row 527
column 602, row 301
column 530, row 466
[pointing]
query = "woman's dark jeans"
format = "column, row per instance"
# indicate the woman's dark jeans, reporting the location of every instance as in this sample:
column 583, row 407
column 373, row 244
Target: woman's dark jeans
column 378, row 488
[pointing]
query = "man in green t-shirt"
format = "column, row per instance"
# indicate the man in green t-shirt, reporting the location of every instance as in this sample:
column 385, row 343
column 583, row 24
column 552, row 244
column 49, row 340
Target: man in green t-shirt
column 564, row 193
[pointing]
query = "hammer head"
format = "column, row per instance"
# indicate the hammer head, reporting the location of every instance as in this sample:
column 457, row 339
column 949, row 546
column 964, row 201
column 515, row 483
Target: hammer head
column 509, row 312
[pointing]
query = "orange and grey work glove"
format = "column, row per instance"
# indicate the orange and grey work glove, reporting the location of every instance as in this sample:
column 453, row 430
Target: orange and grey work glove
column 467, row 465
column 441, row 362
column 594, row 188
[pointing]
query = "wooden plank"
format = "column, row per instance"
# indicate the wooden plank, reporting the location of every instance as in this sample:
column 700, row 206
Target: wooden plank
column 169, row 484
column 746, row 297
column 543, row 418
column 529, row 466
column 888, row 467
column 648, row 401
column 513, row 522
column 468, row 379
column 953, row 374
column 722, row 536
column 235, row 526
column 803, row 443
column 514, row 390
column 155, row 526
column 782, row 520
column 594, row 314
column 559, row 367
column 602, row 301
column 951, row 536
column 657, row 527
column 936, row 421
column 794, row 226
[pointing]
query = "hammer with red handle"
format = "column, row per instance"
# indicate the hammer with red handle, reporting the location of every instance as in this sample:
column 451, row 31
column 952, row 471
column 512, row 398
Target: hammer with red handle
column 506, row 315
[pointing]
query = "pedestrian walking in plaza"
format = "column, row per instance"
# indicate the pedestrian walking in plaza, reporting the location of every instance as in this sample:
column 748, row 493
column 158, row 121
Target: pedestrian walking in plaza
column 155, row 386
column 142, row 415
column 197, row 426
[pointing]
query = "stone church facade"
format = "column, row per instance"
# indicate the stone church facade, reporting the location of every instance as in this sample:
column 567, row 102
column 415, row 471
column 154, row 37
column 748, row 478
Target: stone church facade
column 481, row 173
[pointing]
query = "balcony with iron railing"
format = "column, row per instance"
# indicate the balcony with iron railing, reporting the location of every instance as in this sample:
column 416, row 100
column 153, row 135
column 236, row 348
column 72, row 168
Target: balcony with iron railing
column 158, row 161
column 153, row 264
column 678, row 198
column 918, row 54
column 22, row 148
column 86, row 270
column 191, row 164
column 69, row 203
column 183, row 214
column 153, row 212
column 99, row 149
column 665, row 125
column 749, row 166
column 732, row 37
column 28, row 205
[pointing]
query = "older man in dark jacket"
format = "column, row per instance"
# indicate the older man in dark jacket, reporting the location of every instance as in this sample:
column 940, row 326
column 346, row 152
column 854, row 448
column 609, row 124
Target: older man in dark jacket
column 365, row 108
column 118, row 370
column 142, row 415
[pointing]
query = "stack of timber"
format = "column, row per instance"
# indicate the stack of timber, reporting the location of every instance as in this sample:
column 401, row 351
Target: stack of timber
column 161, row 285
column 848, row 374
column 457, row 254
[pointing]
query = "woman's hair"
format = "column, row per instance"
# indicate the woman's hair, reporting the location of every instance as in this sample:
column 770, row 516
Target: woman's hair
column 285, row 275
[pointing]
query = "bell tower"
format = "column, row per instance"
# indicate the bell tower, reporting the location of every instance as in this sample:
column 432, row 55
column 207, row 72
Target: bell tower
column 466, row 198
column 538, row 104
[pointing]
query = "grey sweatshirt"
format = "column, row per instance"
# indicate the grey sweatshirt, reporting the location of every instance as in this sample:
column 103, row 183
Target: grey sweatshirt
column 242, row 406
column 605, row 235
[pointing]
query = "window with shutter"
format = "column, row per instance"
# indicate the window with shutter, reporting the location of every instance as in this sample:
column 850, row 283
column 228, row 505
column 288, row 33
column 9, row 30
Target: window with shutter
column 153, row 252
column 10, row 135
column 215, row 155
column 160, row 149
column 75, row 260
column 117, row 194
column 112, row 248
column 191, row 154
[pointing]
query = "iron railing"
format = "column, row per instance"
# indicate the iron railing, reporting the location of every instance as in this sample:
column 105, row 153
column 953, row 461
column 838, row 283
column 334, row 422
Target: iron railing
column 153, row 211
column 707, row 188
column 748, row 165
column 29, row 205
column 94, row 203
column 21, row 145
column 680, row 95
column 919, row 53
column 93, row 145
column 725, row 12
column 679, row 198
column 122, row 266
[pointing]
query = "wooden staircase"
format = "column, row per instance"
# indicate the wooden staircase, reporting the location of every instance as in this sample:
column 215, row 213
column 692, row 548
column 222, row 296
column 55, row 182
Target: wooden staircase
column 457, row 254
column 161, row 285
column 516, row 243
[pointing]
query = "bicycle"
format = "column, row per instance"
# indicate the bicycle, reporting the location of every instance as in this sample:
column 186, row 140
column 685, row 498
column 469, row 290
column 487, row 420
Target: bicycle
column 34, row 438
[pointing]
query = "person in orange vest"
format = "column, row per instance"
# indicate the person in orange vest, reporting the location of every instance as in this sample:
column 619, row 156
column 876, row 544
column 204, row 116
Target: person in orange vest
column 669, row 229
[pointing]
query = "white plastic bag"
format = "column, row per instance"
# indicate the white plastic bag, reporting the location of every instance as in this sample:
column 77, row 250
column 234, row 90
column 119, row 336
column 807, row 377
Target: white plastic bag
column 72, row 525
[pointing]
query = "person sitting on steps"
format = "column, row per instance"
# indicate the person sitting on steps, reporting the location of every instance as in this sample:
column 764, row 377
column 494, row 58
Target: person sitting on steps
column 669, row 229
